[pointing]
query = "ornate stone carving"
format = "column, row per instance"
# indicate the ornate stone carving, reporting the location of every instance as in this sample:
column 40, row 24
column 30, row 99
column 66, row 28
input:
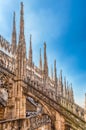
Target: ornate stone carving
column 3, row 91
column 20, row 80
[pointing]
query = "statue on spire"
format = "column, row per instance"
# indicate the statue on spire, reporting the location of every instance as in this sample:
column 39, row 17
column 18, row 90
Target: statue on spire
column 71, row 91
column 64, row 88
column 55, row 78
column 21, row 37
column 40, row 61
column 51, row 72
column 30, row 52
column 45, row 62
column 60, row 86
column 55, row 73
column 14, row 35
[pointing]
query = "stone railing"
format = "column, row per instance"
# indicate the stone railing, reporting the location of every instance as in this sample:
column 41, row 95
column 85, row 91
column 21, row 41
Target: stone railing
column 74, row 108
column 69, row 106
column 6, row 61
column 54, row 102
column 5, row 45
column 37, row 122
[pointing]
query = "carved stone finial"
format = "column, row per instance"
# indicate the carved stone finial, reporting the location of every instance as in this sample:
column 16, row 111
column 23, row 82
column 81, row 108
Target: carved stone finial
column 21, row 23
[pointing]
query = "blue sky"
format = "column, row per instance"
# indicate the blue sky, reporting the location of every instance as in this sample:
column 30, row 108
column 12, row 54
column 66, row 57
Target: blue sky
column 62, row 24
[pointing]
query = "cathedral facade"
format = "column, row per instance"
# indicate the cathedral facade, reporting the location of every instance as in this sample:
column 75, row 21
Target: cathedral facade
column 30, row 99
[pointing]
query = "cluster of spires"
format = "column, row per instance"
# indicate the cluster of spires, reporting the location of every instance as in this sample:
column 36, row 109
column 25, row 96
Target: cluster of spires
column 22, row 43
column 20, row 50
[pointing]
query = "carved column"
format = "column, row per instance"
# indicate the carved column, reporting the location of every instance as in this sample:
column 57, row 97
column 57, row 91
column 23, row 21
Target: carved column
column 20, row 103
column 10, row 107
column 60, row 122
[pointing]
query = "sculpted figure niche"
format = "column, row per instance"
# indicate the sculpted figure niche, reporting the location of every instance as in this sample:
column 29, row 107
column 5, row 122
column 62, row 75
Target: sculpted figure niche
column 3, row 91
